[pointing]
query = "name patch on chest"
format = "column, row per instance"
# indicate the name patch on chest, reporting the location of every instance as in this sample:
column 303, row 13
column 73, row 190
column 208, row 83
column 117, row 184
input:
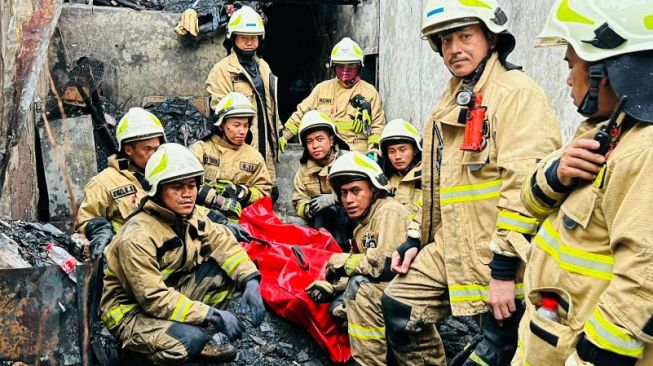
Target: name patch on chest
column 123, row 191
column 210, row 160
column 324, row 100
column 248, row 167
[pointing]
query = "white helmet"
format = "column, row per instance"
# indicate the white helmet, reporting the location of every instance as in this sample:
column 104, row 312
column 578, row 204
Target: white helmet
column 246, row 21
column 399, row 130
column 138, row 124
column 446, row 15
column 346, row 52
column 314, row 120
column 169, row 163
column 233, row 105
column 599, row 29
column 352, row 166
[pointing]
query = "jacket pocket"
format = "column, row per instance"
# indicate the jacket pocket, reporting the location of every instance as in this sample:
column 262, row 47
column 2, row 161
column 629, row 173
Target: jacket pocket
column 474, row 160
column 577, row 210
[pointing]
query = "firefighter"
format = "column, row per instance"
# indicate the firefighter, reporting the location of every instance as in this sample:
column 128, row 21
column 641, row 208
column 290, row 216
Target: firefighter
column 244, row 72
column 235, row 172
column 361, row 188
column 352, row 103
column 401, row 149
column 592, row 256
column 491, row 126
column 112, row 195
column 312, row 196
column 171, row 271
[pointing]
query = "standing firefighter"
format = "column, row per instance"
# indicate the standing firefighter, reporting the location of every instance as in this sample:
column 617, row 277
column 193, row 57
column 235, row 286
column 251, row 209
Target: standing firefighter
column 170, row 271
column 591, row 259
column 489, row 129
column 235, row 172
column 244, row 72
column 111, row 196
column 352, row 103
column 381, row 224
column 313, row 197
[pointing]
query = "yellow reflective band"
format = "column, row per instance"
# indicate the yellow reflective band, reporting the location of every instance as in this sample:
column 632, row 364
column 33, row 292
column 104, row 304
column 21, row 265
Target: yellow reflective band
column 335, row 50
column 420, row 200
column 411, row 130
column 122, row 127
column 476, row 358
column 574, row 260
column 531, row 202
column 117, row 226
column 567, row 14
column 344, row 125
column 116, row 314
column 365, row 333
column 254, row 194
column 472, row 192
column 412, row 215
column 230, row 264
column 161, row 166
column 291, row 127
column 611, row 337
column 181, row 309
column 351, row 263
column 235, row 21
column 357, row 50
column 598, row 182
column 374, row 138
column 214, row 299
column 515, row 222
column 648, row 22
column 475, row 3
column 469, row 293
column 155, row 120
column 166, row 273
column 364, row 163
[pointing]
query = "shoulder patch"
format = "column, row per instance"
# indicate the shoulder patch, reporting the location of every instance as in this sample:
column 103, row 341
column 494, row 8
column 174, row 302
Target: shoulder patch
column 210, row 160
column 123, row 191
column 248, row 167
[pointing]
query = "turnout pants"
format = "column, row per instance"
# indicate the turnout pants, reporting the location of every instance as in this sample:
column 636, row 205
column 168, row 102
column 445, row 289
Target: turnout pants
column 168, row 342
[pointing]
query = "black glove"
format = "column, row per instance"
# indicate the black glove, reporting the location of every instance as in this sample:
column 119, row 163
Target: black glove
column 252, row 299
column 334, row 274
column 228, row 206
column 321, row 291
column 408, row 244
column 226, row 323
column 225, row 188
column 99, row 232
column 217, row 217
column 239, row 232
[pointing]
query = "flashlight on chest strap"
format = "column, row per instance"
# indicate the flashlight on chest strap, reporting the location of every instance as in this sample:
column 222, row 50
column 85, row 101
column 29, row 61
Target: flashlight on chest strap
column 474, row 119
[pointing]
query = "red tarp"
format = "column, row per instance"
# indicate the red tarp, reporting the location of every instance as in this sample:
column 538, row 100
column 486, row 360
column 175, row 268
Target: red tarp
column 285, row 275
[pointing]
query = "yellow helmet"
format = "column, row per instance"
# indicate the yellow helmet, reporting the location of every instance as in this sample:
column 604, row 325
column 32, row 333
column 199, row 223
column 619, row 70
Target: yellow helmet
column 137, row 125
column 171, row 162
column 246, row 21
column 347, row 52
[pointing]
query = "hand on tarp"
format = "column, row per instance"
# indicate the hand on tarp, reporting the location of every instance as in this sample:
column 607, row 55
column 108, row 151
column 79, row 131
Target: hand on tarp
column 99, row 232
column 321, row 291
column 241, row 234
column 226, row 323
column 188, row 23
column 229, row 206
column 321, row 202
column 252, row 299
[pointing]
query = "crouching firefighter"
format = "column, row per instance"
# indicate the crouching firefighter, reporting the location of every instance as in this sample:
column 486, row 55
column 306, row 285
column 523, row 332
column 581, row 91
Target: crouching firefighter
column 491, row 126
column 235, row 172
column 112, row 195
column 381, row 224
column 171, row 271
column 591, row 259
column 313, row 197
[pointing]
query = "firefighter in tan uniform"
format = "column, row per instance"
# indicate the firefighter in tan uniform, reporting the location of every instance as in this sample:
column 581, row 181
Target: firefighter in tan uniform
column 352, row 103
column 244, row 72
column 112, row 195
column 477, row 229
column 235, row 172
column 401, row 149
column 312, row 196
column 381, row 224
column 592, row 256
column 171, row 271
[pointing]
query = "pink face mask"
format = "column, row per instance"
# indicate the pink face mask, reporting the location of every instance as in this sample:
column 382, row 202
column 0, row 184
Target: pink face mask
column 347, row 73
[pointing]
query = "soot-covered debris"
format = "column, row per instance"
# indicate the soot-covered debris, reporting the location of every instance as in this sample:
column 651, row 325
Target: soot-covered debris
column 183, row 123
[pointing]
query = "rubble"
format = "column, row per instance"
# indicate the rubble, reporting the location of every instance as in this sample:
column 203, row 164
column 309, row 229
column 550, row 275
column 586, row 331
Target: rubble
column 183, row 123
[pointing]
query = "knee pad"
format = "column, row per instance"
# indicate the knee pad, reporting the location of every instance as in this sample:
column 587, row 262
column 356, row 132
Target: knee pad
column 396, row 316
column 191, row 337
column 353, row 285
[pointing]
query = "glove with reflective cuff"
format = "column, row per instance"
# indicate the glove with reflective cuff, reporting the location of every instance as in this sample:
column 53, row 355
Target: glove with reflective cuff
column 228, row 206
column 99, row 232
column 239, row 232
column 321, row 291
column 321, row 202
column 225, row 322
column 252, row 299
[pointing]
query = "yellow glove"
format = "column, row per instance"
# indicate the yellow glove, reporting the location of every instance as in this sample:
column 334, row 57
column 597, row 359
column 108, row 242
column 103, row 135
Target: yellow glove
column 188, row 23
column 282, row 144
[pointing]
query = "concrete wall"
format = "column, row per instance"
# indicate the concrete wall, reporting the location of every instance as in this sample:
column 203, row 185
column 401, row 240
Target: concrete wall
column 412, row 76
column 143, row 54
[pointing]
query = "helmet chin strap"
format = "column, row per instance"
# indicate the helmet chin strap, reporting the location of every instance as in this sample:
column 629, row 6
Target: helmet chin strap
column 590, row 103
column 328, row 157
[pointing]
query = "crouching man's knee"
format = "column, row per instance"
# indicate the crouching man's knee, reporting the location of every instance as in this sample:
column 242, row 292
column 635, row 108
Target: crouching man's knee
column 396, row 316
column 180, row 343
